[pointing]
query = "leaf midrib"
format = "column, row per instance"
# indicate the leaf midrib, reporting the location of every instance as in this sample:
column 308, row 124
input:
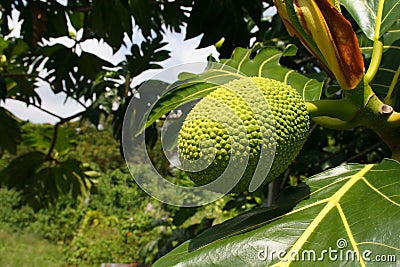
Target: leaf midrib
column 331, row 203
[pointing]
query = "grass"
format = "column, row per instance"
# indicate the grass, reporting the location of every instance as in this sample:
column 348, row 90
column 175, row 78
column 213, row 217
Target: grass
column 18, row 249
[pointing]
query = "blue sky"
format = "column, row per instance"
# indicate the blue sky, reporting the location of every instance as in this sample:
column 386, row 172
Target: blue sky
column 182, row 52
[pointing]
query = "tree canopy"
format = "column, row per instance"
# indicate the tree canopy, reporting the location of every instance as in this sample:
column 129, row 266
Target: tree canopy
column 99, row 87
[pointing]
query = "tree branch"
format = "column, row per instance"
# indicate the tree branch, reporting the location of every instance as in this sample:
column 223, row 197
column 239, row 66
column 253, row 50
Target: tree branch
column 365, row 151
column 44, row 110
column 81, row 9
column 53, row 143
column 64, row 91
column 55, row 133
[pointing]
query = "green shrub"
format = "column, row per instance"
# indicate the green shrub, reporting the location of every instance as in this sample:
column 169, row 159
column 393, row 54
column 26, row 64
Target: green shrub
column 14, row 214
column 60, row 221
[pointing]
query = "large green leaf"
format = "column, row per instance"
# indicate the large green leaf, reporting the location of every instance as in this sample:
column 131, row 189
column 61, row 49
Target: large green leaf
column 110, row 19
column 364, row 12
column 352, row 209
column 258, row 61
column 250, row 220
column 18, row 174
column 42, row 182
column 389, row 68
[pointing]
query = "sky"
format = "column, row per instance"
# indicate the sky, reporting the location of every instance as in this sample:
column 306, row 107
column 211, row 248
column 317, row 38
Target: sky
column 182, row 52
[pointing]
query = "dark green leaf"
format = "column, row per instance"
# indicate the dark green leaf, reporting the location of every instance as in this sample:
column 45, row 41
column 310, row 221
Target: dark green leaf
column 77, row 20
column 252, row 219
column 146, row 56
column 59, row 65
column 332, row 90
column 3, row 88
column 110, row 19
column 43, row 20
column 72, row 73
column 182, row 214
column 71, row 178
column 93, row 115
column 145, row 16
column 3, row 44
column 66, row 139
column 10, row 132
column 90, row 65
column 216, row 19
column 389, row 65
column 18, row 174
column 174, row 15
column 22, row 88
column 364, row 12
column 352, row 208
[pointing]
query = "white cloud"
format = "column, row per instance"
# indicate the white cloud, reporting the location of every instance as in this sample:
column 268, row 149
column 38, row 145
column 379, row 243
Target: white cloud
column 182, row 52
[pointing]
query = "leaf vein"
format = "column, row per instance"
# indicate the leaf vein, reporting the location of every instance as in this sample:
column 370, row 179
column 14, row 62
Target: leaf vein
column 388, row 13
column 265, row 62
column 243, row 59
column 330, row 204
column 349, row 233
column 380, row 193
column 378, row 244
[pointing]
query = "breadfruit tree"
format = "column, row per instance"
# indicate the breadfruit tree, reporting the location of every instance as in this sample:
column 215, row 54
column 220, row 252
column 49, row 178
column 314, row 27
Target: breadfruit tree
column 329, row 65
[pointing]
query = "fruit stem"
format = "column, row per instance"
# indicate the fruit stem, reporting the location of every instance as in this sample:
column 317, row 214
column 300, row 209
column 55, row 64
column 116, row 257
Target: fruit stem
column 329, row 107
column 334, row 123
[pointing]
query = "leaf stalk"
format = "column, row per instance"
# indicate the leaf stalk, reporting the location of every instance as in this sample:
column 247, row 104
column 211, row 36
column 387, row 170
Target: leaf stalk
column 377, row 47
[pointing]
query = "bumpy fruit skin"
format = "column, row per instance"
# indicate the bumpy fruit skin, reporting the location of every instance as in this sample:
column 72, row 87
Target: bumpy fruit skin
column 210, row 133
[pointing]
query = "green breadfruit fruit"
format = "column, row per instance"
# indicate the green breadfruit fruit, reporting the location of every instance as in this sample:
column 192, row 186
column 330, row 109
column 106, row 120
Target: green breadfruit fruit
column 211, row 132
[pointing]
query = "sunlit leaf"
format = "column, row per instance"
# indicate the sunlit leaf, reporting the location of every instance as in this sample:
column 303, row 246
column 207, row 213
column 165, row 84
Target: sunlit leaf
column 353, row 209
column 252, row 219
column 258, row 61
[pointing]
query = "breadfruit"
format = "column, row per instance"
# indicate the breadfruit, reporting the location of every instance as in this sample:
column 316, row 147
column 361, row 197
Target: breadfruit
column 235, row 122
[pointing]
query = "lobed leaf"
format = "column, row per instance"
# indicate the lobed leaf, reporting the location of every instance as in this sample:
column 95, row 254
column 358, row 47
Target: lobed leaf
column 258, row 61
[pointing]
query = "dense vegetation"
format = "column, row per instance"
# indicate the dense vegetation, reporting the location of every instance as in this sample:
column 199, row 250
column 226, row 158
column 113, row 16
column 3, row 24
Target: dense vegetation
column 116, row 222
